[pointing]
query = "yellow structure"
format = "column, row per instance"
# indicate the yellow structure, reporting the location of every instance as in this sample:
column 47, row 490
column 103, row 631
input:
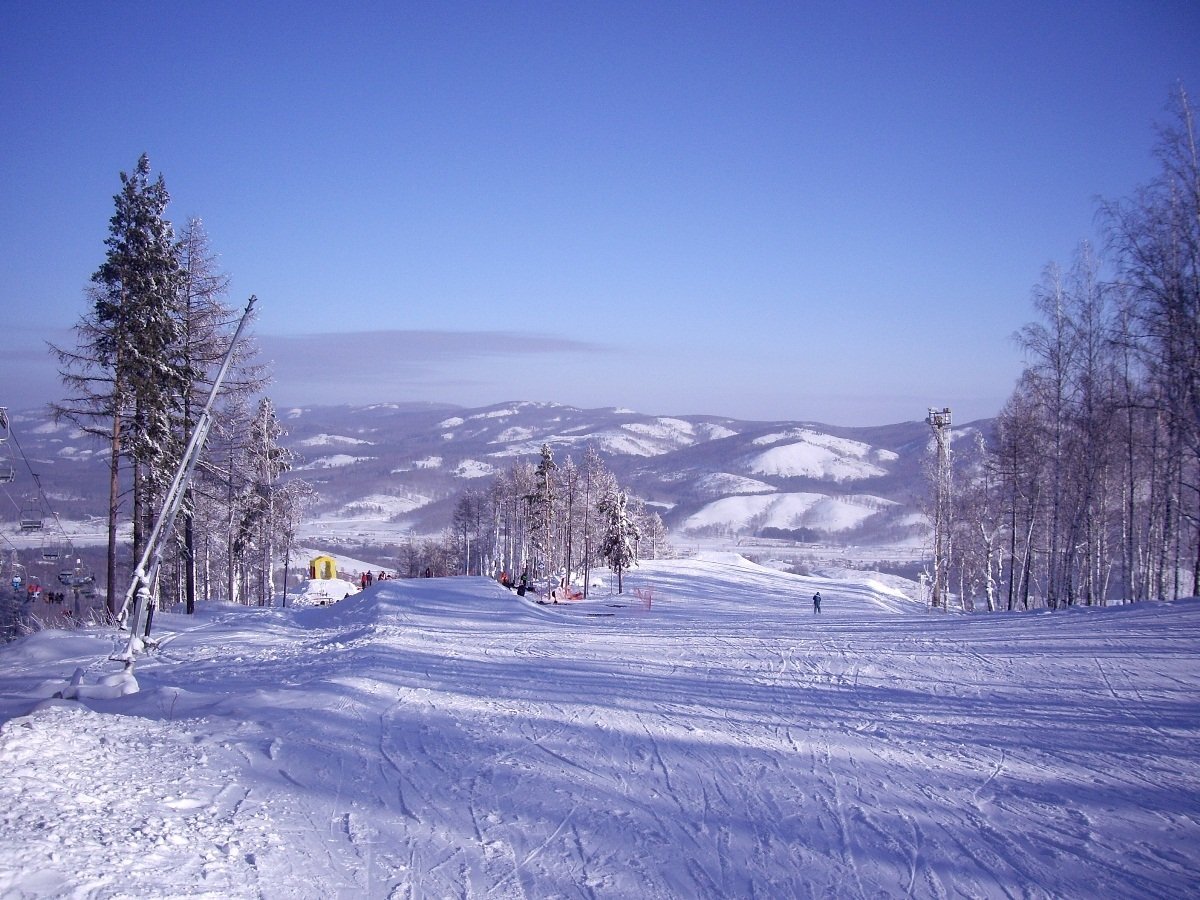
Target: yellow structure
column 322, row 567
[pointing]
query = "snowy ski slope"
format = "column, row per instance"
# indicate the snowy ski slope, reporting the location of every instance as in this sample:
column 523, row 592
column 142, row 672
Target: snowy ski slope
column 444, row 738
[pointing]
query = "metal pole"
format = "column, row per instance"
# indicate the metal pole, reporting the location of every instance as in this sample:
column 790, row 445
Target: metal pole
column 146, row 572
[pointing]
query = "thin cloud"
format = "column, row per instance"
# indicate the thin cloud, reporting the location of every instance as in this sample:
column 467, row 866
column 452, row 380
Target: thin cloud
column 386, row 365
column 426, row 345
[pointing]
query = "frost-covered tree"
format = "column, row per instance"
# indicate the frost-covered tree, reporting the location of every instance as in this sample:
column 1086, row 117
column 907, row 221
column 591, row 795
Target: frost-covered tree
column 126, row 370
column 140, row 283
column 618, row 546
column 655, row 542
column 206, row 322
column 256, row 542
column 292, row 501
column 1018, row 458
column 221, row 500
column 550, row 518
column 1072, row 383
column 598, row 483
column 521, row 480
column 541, row 509
column 1156, row 239
column 1096, row 456
column 978, row 527
column 469, row 529
column 568, row 480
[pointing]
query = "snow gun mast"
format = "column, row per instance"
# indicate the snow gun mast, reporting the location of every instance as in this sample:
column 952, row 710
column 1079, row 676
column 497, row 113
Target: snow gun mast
column 145, row 576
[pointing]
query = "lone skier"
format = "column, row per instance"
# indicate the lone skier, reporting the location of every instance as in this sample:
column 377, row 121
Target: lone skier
column 817, row 602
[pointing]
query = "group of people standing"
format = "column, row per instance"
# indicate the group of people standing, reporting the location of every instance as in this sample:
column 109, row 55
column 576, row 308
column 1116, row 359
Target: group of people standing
column 367, row 579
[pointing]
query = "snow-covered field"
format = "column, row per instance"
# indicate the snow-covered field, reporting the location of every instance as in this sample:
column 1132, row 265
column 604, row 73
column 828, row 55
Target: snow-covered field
column 444, row 738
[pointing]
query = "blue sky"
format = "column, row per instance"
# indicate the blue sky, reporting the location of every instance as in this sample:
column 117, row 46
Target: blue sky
column 824, row 211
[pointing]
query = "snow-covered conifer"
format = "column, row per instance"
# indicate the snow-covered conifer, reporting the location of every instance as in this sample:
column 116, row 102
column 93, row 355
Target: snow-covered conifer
column 126, row 373
column 618, row 545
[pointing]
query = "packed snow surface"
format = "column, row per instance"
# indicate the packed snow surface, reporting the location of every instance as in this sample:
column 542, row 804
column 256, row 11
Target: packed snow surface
column 713, row 738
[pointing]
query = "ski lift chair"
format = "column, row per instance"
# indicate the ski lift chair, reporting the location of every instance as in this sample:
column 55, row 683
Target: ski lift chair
column 76, row 579
column 7, row 474
column 49, row 552
column 31, row 517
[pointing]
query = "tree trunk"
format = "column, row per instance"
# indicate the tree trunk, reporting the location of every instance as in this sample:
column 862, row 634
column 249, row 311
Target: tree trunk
column 189, row 560
column 114, row 504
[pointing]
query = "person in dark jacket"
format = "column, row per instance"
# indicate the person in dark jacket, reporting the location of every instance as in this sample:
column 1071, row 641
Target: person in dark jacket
column 817, row 602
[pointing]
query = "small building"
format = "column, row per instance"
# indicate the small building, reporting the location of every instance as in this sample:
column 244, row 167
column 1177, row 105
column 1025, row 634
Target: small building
column 322, row 567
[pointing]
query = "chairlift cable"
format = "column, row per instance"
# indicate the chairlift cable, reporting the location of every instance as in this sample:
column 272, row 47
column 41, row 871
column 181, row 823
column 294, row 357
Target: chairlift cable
column 15, row 504
column 45, row 501
column 8, row 470
column 51, row 546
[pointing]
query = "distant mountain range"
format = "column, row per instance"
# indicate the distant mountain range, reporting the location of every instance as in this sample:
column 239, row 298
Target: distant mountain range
column 403, row 466
column 398, row 468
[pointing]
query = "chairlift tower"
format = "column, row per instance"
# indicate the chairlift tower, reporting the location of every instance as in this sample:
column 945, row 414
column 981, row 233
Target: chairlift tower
column 939, row 420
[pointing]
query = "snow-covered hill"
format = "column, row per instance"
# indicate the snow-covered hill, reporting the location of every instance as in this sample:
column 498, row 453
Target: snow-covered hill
column 709, row 738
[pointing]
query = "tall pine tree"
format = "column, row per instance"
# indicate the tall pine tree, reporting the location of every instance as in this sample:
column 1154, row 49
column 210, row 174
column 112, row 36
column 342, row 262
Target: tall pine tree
column 127, row 370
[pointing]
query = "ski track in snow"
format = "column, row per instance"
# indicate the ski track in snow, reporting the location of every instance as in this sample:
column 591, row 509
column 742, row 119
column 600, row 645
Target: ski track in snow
column 443, row 738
